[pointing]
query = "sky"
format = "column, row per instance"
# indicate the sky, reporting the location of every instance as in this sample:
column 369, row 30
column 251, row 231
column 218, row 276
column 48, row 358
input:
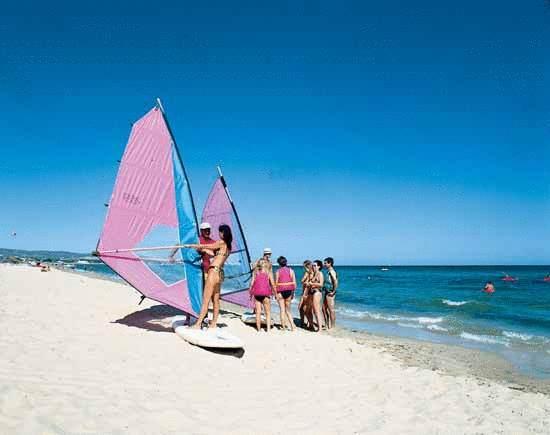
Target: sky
column 390, row 132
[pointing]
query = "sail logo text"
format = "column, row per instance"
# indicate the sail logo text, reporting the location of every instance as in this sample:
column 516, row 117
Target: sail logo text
column 131, row 199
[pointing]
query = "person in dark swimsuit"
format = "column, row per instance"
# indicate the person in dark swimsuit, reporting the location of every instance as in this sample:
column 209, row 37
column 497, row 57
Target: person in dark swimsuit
column 331, row 284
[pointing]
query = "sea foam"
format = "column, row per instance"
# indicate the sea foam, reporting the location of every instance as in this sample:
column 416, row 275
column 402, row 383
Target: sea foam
column 483, row 339
column 517, row 335
column 454, row 303
column 410, row 325
column 528, row 338
column 388, row 317
column 437, row 328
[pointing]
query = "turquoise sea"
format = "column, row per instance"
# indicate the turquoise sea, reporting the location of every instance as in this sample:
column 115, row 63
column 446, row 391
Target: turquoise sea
column 445, row 304
column 440, row 304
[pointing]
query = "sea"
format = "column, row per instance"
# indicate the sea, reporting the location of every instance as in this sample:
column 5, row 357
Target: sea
column 441, row 304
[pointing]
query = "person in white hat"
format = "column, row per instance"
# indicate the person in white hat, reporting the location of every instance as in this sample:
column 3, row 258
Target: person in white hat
column 267, row 257
column 204, row 239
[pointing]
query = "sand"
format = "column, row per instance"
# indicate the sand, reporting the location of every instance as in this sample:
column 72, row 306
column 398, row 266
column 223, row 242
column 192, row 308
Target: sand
column 79, row 356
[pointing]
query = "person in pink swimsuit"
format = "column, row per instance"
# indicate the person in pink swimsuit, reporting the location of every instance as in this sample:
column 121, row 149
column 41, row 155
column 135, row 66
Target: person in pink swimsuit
column 261, row 288
column 285, row 282
column 205, row 239
column 206, row 254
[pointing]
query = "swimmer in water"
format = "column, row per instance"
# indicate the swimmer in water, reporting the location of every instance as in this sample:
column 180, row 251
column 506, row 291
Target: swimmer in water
column 489, row 287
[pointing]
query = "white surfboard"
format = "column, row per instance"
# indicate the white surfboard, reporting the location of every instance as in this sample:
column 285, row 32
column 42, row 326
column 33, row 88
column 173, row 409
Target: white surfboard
column 213, row 337
column 250, row 318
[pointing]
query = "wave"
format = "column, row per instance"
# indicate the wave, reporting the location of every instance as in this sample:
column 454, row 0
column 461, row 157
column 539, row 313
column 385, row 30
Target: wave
column 410, row 325
column 484, row 339
column 437, row 328
column 524, row 337
column 388, row 317
column 527, row 338
column 429, row 320
column 454, row 303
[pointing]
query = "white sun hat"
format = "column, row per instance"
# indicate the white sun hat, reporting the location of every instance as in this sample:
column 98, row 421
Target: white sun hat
column 205, row 226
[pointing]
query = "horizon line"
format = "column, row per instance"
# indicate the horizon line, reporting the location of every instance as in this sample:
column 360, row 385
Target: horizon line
column 337, row 265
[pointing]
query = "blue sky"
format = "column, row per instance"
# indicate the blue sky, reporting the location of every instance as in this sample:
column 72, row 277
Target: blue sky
column 376, row 132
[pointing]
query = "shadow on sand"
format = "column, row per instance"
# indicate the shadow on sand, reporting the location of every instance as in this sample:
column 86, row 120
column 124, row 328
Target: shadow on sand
column 155, row 318
column 158, row 319
column 235, row 353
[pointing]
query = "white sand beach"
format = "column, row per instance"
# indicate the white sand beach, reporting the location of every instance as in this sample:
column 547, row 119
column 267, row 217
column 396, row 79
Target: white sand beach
column 80, row 356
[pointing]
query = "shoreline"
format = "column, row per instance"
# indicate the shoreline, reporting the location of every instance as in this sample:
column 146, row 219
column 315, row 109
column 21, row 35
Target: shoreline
column 451, row 359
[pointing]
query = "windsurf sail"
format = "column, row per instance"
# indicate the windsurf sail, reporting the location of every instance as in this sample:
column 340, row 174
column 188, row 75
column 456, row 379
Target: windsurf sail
column 151, row 213
column 220, row 209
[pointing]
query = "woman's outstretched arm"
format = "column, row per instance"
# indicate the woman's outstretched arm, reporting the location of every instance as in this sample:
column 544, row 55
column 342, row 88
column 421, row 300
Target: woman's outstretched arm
column 211, row 247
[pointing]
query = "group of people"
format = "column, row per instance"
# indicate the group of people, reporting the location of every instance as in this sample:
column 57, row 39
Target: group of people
column 316, row 312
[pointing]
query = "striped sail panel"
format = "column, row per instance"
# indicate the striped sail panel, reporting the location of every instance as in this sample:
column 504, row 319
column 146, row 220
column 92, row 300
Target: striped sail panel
column 146, row 210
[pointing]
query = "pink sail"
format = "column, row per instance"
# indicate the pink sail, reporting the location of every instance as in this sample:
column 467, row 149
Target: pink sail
column 151, row 205
column 219, row 209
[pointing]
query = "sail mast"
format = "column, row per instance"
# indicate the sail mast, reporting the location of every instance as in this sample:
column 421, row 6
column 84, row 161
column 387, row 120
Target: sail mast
column 224, row 184
column 176, row 147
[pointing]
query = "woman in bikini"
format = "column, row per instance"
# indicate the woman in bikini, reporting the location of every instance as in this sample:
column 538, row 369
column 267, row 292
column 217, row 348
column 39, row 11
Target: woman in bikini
column 316, row 283
column 304, row 307
column 221, row 250
column 285, row 282
column 261, row 288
